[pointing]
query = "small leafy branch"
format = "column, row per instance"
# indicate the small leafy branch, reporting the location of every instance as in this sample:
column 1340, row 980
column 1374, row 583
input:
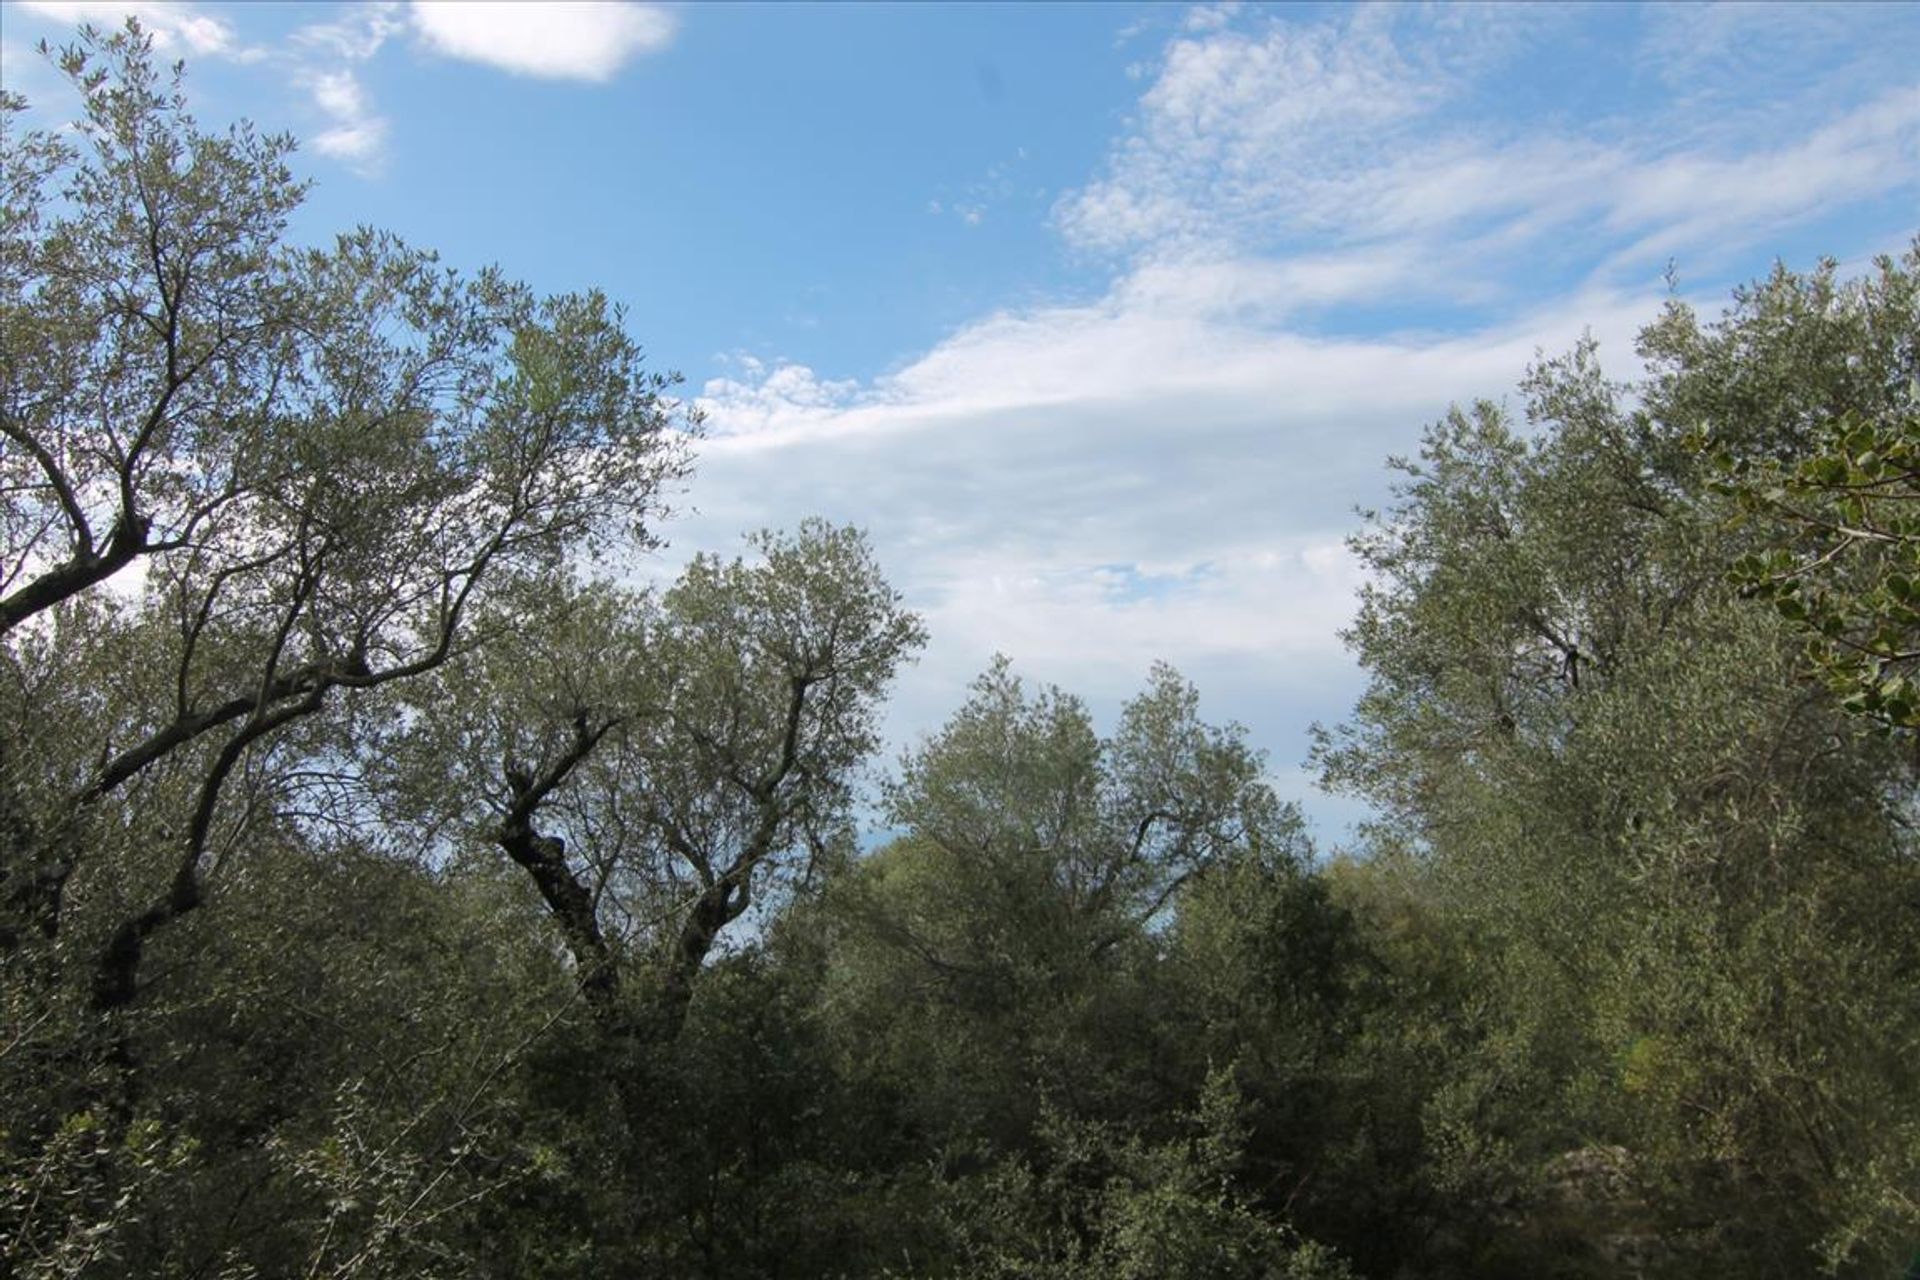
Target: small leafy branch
column 1845, row 560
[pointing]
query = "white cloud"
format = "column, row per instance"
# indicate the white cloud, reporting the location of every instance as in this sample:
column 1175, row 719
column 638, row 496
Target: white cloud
column 361, row 31
column 1090, row 488
column 558, row 39
column 358, row 135
column 1211, row 17
column 176, row 28
column 763, row 397
column 327, row 57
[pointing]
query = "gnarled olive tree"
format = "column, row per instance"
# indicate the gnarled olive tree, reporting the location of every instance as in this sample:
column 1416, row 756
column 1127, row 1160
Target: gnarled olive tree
column 243, row 483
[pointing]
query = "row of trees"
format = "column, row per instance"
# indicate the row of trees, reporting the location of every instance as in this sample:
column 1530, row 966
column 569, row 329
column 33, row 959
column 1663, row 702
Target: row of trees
column 387, row 889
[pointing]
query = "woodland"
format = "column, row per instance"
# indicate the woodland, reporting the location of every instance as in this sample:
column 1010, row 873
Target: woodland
column 390, row 888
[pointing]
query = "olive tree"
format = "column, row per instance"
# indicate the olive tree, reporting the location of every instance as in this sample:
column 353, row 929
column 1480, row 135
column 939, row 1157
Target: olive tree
column 246, row 482
column 1038, row 866
column 657, row 764
column 1688, row 873
column 1020, row 790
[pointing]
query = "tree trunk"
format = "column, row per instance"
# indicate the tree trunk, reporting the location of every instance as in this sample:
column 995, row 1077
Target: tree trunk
column 571, row 906
column 716, row 908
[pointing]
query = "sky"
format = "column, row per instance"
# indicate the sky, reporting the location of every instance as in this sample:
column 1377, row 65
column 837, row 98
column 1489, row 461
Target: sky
column 1101, row 319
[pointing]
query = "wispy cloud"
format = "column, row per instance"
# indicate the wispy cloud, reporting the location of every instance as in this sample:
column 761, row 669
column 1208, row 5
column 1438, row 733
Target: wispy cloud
column 176, row 28
column 360, row 32
column 1683, row 201
column 1381, row 128
column 557, row 40
column 1740, row 72
column 357, row 136
column 327, row 57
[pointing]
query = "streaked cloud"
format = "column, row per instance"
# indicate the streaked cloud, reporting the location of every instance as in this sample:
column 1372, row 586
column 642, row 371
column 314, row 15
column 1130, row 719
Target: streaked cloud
column 1091, row 488
column 1379, row 129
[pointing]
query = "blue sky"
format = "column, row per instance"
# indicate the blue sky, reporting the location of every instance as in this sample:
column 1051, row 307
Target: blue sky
column 1101, row 318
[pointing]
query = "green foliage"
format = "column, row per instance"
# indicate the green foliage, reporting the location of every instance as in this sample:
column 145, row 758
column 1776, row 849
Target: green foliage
column 1038, row 869
column 1689, row 874
column 1020, row 791
column 1091, row 1201
column 1804, row 399
column 659, row 765
column 1850, row 575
